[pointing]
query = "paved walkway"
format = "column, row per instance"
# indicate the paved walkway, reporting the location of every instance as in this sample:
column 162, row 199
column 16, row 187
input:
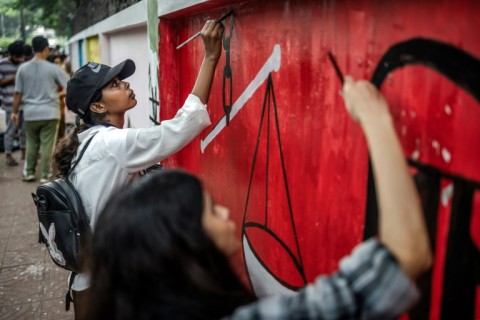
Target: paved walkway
column 31, row 285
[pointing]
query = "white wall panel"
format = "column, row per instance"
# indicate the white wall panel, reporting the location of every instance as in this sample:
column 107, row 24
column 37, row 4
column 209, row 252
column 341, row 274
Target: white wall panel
column 133, row 44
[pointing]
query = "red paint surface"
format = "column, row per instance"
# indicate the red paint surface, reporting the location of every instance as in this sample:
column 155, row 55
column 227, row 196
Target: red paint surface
column 325, row 152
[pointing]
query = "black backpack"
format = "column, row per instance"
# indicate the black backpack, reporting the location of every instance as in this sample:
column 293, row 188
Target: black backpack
column 64, row 225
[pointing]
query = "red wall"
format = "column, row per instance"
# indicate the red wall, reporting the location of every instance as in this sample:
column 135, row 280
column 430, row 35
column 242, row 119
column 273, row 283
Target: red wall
column 303, row 215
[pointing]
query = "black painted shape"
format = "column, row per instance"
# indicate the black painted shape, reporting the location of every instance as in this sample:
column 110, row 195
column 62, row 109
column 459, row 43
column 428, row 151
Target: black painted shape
column 267, row 100
column 464, row 70
column 227, row 75
column 457, row 65
column 371, row 215
column 297, row 264
column 428, row 186
column 155, row 122
column 445, row 175
column 285, row 180
column 153, row 101
column 461, row 276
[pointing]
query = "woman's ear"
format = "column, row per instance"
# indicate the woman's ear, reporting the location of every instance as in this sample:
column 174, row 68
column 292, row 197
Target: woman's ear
column 98, row 107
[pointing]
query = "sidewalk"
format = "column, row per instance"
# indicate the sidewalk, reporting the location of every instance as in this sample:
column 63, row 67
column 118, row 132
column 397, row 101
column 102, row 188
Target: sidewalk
column 31, row 285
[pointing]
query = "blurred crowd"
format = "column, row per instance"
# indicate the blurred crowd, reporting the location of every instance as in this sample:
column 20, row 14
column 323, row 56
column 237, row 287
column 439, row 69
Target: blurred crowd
column 13, row 136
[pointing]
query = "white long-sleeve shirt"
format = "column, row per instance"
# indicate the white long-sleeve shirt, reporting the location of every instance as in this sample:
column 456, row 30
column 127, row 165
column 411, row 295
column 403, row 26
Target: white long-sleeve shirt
column 115, row 156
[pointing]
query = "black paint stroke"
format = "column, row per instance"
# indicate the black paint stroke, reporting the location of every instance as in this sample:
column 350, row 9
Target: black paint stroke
column 155, row 122
column 457, row 65
column 154, row 103
column 270, row 98
column 462, row 263
column 428, row 185
column 265, row 229
column 227, row 75
column 462, row 267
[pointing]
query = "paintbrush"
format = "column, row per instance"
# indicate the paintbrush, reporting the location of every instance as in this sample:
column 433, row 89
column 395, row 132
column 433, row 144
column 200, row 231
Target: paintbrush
column 335, row 66
column 200, row 32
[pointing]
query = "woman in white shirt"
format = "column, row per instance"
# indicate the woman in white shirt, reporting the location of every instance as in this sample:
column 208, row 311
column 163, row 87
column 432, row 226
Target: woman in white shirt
column 98, row 94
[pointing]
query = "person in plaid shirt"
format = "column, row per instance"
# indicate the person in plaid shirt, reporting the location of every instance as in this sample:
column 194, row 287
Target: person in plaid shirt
column 161, row 248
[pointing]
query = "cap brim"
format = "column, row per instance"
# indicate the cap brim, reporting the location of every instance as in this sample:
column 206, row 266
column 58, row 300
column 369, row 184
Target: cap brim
column 122, row 70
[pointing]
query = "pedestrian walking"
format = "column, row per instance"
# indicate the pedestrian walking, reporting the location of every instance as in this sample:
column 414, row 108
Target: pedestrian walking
column 58, row 60
column 116, row 155
column 36, row 89
column 8, row 71
column 161, row 246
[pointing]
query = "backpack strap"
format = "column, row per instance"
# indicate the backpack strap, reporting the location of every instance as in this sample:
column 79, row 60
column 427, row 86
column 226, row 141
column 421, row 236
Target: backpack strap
column 68, row 296
column 83, row 225
column 80, row 155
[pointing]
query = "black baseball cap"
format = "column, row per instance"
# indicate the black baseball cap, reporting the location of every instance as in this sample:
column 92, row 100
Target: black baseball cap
column 86, row 82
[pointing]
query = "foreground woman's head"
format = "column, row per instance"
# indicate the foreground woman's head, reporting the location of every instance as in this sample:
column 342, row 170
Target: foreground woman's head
column 160, row 247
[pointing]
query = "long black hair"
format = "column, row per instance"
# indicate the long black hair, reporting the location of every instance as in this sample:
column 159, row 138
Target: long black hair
column 151, row 259
column 67, row 147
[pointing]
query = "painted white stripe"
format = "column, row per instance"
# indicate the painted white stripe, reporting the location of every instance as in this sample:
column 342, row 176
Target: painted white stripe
column 273, row 63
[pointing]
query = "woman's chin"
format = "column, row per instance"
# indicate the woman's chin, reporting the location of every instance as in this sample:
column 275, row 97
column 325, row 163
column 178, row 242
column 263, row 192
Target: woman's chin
column 234, row 249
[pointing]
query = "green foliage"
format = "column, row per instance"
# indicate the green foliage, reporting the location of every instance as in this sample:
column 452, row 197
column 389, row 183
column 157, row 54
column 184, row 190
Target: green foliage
column 5, row 41
column 52, row 14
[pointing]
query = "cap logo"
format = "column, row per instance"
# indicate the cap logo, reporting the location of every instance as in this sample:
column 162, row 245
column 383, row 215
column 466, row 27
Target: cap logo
column 94, row 66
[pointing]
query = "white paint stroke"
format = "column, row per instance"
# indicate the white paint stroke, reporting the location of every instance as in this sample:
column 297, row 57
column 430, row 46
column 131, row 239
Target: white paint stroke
column 448, row 109
column 415, row 155
column 447, row 157
column 436, row 146
column 263, row 283
column 446, row 194
column 272, row 64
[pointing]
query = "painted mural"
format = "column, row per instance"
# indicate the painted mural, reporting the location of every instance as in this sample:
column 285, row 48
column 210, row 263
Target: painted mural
column 152, row 27
column 284, row 156
column 461, row 272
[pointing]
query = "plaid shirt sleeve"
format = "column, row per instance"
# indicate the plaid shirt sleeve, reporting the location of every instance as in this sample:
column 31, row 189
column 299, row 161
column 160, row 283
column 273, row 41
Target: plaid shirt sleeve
column 368, row 285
